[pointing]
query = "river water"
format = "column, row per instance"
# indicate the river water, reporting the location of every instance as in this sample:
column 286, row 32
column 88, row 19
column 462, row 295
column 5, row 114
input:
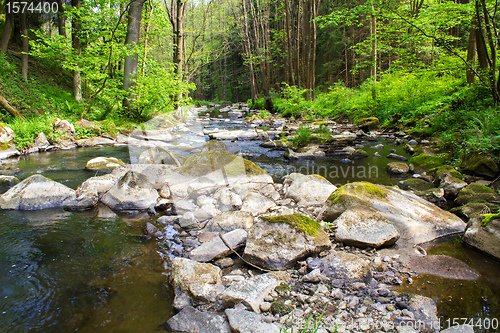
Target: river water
column 67, row 272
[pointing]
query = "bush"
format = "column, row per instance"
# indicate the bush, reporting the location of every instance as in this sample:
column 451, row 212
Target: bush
column 302, row 137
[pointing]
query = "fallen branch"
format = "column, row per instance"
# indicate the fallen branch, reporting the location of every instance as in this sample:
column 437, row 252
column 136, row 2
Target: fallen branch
column 8, row 107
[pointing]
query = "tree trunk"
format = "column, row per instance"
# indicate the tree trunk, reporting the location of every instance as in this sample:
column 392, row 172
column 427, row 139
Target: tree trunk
column 77, row 49
column 7, row 29
column 471, row 51
column 11, row 109
column 373, row 30
column 25, row 45
column 61, row 20
column 131, row 40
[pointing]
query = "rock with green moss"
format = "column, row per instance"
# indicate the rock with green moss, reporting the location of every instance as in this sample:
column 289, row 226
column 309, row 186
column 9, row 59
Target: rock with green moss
column 416, row 219
column 449, row 179
column 277, row 144
column 308, row 189
column 280, row 309
column 103, row 164
column 426, row 161
column 474, row 209
column 6, row 181
column 397, row 168
column 480, row 165
column 443, row 170
column 484, row 237
column 213, row 145
column 415, row 184
column 368, row 124
column 359, row 153
column 363, row 227
column 476, row 193
column 278, row 242
column 434, row 195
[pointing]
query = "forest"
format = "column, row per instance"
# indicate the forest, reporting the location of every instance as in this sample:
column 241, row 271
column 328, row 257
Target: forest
column 425, row 66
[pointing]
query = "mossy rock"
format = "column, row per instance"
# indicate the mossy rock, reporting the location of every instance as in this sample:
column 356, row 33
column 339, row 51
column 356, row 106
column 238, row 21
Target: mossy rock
column 488, row 217
column 474, row 209
column 476, row 193
column 368, row 124
column 282, row 288
column 442, row 170
column 213, row 145
column 480, row 165
column 281, row 309
column 204, row 163
column 427, row 161
column 415, row 184
column 359, row 153
column 304, row 223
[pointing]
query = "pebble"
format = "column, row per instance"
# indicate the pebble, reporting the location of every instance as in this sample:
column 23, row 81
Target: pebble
column 268, row 298
column 265, row 306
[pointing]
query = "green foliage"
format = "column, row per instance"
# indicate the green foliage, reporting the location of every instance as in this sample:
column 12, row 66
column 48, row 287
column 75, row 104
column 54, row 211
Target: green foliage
column 27, row 130
column 264, row 114
column 294, row 103
column 488, row 217
column 302, row 137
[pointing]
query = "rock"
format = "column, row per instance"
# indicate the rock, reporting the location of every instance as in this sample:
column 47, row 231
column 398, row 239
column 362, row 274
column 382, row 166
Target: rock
column 280, row 309
column 132, row 192
column 368, row 124
column 85, row 200
column 159, row 155
column 415, row 184
column 228, row 200
column 476, row 193
column 359, row 153
column 277, row 144
column 85, row 123
column 425, row 311
column 416, row 220
column 363, row 227
column 242, row 321
column 64, row 126
column 278, row 242
column 251, row 292
column 474, row 209
column 434, row 195
column 190, row 320
column 95, row 142
column 265, row 306
column 99, row 184
column 213, row 145
column 426, row 161
column 480, row 165
column 6, row 134
column 8, row 180
column 314, row 276
column 397, row 157
column 308, row 189
column 206, row 212
column 196, row 282
column 444, row 266
column 103, row 163
column 37, row 192
column 240, row 135
column 9, row 152
column 409, row 149
column 41, row 142
column 216, row 248
column 451, row 185
column 256, row 203
column 485, row 238
column 346, row 267
column 459, row 329
column 187, row 220
column 228, row 221
column 398, row 168
column 308, row 154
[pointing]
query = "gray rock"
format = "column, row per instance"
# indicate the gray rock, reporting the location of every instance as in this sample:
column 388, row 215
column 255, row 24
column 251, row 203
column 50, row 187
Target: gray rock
column 228, row 200
column 41, row 142
column 195, row 282
column 190, row 320
column 159, row 155
column 6, row 134
column 256, row 203
column 451, row 185
column 279, row 245
column 444, row 266
column 363, row 227
column 205, row 212
column 216, row 248
column 485, row 238
column 309, row 154
column 103, row 163
column 242, row 321
column 37, row 192
column 314, row 276
column 397, row 157
column 397, row 168
column 251, row 292
column 85, row 200
column 8, row 180
column 308, row 189
column 132, row 192
column 425, row 311
column 459, row 329
column 188, row 220
column 228, row 221
column 99, row 184
column 347, row 267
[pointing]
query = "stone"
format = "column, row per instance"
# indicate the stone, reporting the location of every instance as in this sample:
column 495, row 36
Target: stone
column 480, row 165
column 278, row 242
column 308, row 154
column 195, row 282
column 416, row 220
column 256, row 203
column 485, row 238
column 6, row 134
column 398, row 168
column 37, row 192
column 85, row 123
column 132, row 192
column 251, row 292
column 205, row 212
column 216, row 248
column 443, row 266
column 476, row 193
column 459, row 329
column 363, row 227
column 359, row 153
column 99, row 184
column 346, row 267
column 368, row 124
column 228, row 221
column 415, row 184
column 265, row 306
column 84, row 200
column 425, row 311
column 187, row 220
column 103, row 164
column 95, row 142
column 228, row 200
column 397, row 157
column 213, row 145
column 308, row 189
column 451, row 185
column 242, row 321
column 433, row 195
column 190, row 320
column 64, row 126
column 314, row 276
column 41, row 141
column 8, row 180
column 159, row 155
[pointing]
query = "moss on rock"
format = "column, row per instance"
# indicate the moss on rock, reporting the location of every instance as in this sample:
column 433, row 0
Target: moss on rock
column 280, row 309
column 356, row 190
column 488, row 217
column 446, row 169
column 427, row 161
column 480, row 165
column 359, row 153
column 304, row 223
column 476, row 193
column 368, row 124
column 204, row 163
column 474, row 209
column 415, row 184
column 213, row 145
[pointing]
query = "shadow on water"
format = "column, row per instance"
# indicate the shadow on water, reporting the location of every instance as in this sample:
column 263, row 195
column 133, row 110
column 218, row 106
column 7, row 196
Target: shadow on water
column 65, row 272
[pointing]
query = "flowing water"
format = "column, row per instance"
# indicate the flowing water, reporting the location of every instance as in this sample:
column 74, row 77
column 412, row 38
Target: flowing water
column 67, row 272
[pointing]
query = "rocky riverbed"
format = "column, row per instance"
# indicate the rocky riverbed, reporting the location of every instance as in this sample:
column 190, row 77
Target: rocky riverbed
column 250, row 254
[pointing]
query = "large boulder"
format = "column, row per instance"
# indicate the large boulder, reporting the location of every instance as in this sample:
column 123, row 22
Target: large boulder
column 190, row 320
column 103, row 164
column 308, row 189
column 132, row 192
column 476, row 193
column 64, row 126
column 368, row 124
column 363, row 227
column 6, row 134
column 159, row 155
column 480, row 165
column 425, row 313
column 99, row 184
column 251, row 292
column 416, row 219
column 278, row 242
column 38, row 192
column 217, row 248
column 484, row 234
column 195, row 283
column 346, row 267
column 397, row 168
column 213, row 145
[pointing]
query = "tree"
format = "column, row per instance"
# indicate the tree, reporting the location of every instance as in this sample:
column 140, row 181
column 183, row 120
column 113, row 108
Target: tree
column 7, row 29
column 77, row 50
